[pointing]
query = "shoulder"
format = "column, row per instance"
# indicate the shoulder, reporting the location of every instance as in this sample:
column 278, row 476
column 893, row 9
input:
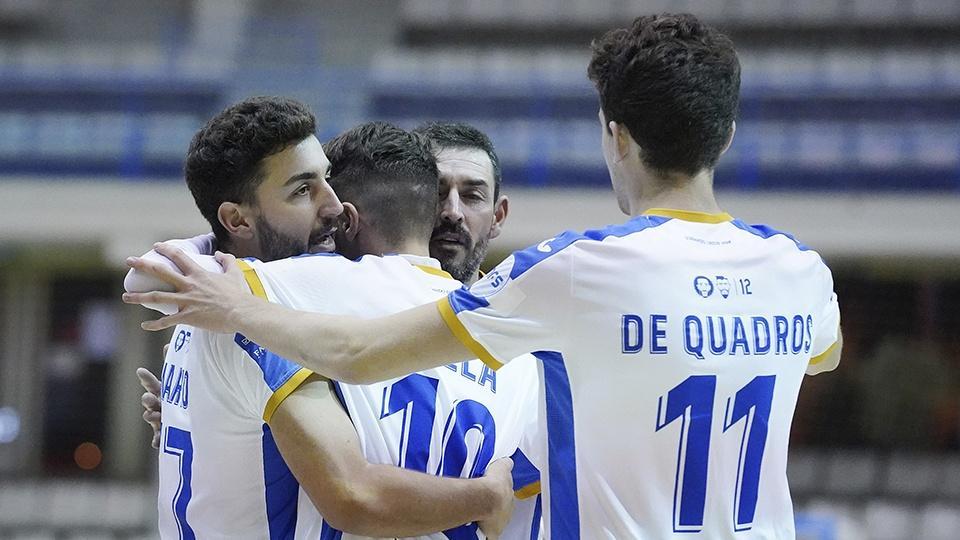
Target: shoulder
column 567, row 242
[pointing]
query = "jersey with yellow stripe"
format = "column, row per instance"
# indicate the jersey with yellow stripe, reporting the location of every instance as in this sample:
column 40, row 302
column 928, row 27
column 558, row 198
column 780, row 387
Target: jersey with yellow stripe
column 452, row 420
column 221, row 475
column 672, row 349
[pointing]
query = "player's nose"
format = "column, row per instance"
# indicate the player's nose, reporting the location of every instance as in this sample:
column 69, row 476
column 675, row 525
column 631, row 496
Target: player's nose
column 330, row 206
column 450, row 209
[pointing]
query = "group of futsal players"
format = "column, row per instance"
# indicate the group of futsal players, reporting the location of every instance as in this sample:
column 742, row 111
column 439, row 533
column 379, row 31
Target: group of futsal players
column 352, row 375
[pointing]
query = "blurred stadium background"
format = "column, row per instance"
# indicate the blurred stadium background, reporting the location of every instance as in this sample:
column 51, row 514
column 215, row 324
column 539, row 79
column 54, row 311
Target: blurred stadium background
column 848, row 135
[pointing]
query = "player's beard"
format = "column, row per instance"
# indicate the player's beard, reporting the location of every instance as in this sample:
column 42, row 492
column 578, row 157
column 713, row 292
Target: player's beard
column 274, row 245
column 466, row 271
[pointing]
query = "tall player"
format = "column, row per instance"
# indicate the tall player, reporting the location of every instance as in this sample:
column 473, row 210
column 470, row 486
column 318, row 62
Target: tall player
column 672, row 345
column 259, row 176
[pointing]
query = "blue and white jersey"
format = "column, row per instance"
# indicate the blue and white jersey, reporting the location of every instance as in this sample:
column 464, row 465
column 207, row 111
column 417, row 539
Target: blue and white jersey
column 672, row 348
column 221, row 475
column 450, row 421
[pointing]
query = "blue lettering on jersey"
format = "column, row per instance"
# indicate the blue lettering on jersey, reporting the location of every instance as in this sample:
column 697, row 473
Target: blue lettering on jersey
column 739, row 337
column 761, row 335
column 658, row 332
column 176, row 385
column 487, row 375
column 729, row 335
column 718, row 336
column 783, row 328
column 632, row 334
column 693, row 336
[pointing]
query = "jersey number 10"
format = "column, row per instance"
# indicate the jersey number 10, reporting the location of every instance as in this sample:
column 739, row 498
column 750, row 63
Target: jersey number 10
column 415, row 396
column 692, row 403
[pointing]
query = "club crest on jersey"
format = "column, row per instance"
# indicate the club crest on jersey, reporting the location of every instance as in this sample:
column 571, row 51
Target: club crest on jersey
column 183, row 338
column 704, row 286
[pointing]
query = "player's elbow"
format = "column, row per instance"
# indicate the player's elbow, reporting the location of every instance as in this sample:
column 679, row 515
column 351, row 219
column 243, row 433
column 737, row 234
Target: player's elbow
column 348, row 507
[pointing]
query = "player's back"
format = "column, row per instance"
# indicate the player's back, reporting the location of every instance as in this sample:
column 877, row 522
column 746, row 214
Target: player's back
column 672, row 361
column 449, row 421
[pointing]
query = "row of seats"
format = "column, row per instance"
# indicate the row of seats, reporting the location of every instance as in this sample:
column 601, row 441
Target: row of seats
column 29, row 505
column 154, row 144
column 585, row 12
column 876, row 519
column 858, row 474
column 788, row 69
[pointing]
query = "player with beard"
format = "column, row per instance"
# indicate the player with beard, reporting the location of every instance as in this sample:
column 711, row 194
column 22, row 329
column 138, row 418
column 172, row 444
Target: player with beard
column 472, row 209
column 471, row 213
column 259, row 176
column 654, row 428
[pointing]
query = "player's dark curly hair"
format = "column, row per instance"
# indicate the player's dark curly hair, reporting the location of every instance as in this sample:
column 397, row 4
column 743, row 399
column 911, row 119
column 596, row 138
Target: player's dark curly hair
column 460, row 135
column 224, row 162
column 390, row 175
column 674, row 82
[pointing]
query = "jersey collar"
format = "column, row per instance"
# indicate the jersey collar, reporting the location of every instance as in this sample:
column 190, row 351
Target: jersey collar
column 427, row 264
column 688, row 215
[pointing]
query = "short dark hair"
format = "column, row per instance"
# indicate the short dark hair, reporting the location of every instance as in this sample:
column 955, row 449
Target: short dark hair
column 390, row 175
column 674, row 82
column 224, row 162
column 460, row 135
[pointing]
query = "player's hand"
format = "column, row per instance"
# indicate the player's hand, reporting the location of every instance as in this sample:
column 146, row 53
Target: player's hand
column 498, row 473
column 151, row 400
column 205, row 299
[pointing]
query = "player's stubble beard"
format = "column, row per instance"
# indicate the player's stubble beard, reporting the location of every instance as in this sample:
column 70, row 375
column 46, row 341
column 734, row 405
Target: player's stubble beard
column 466, row 271
column 274, row 245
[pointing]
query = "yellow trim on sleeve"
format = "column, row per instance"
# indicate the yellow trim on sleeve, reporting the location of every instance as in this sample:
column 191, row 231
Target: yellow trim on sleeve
column 461, row 333
column 284, row 391
column 689, row 215
column 823, row 356
column 528, row 491
column 434, row 271
column 253, row 280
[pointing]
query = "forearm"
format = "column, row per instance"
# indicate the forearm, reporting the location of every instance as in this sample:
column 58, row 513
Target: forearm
column 350, row 349
column 387, row 501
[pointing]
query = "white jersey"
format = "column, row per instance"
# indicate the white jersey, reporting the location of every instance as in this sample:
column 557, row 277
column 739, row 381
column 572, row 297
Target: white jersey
column 672, row 350
column 449, row 421
column 221, row 475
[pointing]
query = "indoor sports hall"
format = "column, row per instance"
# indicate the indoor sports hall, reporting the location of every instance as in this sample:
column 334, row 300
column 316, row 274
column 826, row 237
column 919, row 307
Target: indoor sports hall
column 848, row 137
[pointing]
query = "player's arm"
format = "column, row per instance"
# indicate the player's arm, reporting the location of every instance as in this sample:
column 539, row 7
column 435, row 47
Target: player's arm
column 512, row 320
column 321, row 447
column 347, row 349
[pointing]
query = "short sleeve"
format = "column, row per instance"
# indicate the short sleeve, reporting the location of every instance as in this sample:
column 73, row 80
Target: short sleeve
column 521, row 306
column 264, row 378
column 275, row 376
column 826, row 324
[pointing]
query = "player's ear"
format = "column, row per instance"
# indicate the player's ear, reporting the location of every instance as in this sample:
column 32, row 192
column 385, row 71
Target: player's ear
column 350, row 221
column 622, row 138
column 500, row 211
column 733, row 130
column 235, row 220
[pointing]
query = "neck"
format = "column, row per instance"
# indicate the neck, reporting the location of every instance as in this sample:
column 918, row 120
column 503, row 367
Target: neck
column 241, row 248
column 693, row 194
column 375, row 245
